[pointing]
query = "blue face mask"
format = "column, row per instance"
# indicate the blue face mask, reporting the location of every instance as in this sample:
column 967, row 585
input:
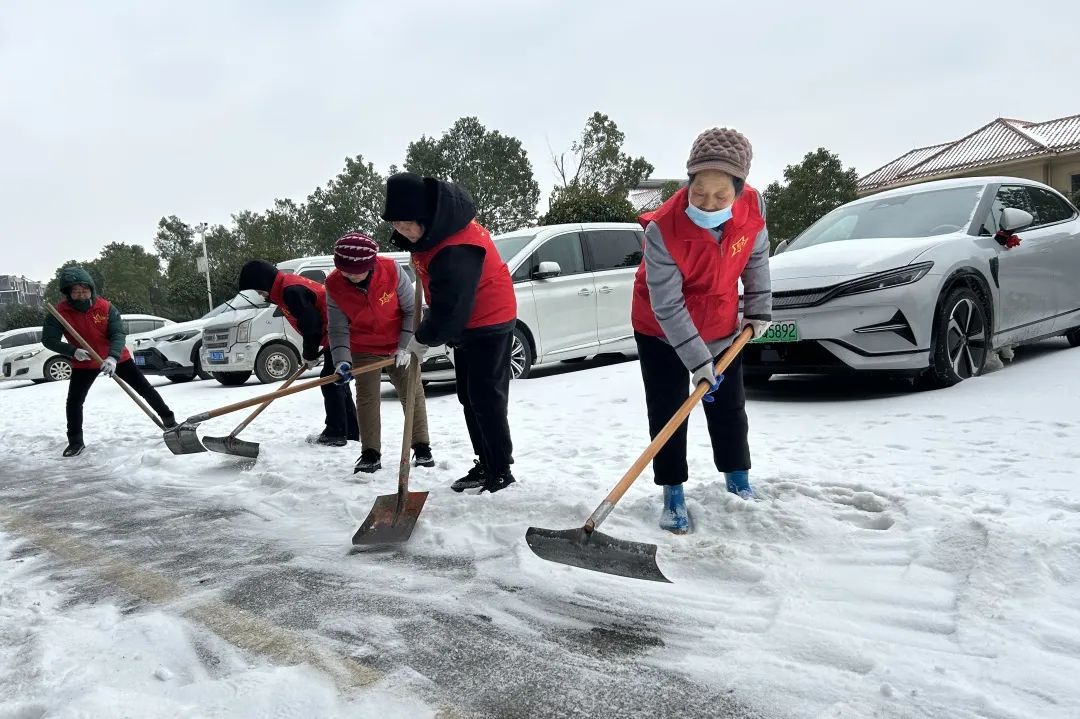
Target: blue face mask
column 707, row 220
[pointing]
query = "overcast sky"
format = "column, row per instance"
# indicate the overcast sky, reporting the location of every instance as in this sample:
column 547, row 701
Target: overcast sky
column 113, row 114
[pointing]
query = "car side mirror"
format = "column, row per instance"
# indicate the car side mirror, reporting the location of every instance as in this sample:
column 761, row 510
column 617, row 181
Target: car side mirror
column 780, row 247
column 1013, row 219
column 547, row 270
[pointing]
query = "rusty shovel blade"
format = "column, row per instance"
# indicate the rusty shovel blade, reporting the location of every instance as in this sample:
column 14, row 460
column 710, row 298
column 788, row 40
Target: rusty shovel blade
column 391, row 521
column 183, row 439
column 232, row 445
column 596, row 551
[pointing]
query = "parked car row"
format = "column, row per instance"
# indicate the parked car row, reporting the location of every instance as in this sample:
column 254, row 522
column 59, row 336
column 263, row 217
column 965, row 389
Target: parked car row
column 914, row 281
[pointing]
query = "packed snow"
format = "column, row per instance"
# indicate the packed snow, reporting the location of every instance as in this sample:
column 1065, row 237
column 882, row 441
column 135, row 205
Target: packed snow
column 910, row 555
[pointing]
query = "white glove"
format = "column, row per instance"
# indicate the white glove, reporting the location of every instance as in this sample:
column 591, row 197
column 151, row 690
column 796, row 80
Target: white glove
column 311, row 363
column 402, row 357
column 706, row 373
column 417, row 348
column 81, row 355
column 758, row 326
column 108, row 367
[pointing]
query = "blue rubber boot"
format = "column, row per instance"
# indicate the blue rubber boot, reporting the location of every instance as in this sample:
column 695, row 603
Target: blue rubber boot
column 738, row 482
column 674, row 517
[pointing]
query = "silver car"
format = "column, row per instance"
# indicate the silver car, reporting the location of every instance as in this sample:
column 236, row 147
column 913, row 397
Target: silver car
column 913, row 281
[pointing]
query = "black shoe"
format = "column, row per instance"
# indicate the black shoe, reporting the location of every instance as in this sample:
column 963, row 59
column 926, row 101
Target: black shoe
column 422, row 456
column 169, row 420
column 331, row 441
column 74, row 449
column 369, row 461
column 474, row 479
column 496, row 482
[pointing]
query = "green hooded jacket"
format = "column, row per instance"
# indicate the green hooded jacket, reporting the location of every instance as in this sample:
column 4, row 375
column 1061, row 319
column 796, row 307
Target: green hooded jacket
column 52, row 334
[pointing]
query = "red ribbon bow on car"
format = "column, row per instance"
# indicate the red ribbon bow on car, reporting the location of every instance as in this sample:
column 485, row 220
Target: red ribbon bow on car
column 1007, row 239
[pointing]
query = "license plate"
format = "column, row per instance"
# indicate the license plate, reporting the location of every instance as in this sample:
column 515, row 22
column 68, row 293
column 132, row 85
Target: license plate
column 784, row 331
column 217, row 356
column 140, row 360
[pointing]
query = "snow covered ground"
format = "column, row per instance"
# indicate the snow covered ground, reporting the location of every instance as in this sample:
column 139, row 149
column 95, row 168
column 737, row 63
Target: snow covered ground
column 913, row 555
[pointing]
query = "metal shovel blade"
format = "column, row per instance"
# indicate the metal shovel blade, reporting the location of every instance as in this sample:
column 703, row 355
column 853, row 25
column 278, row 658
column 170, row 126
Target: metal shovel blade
column 391, row 522
column 183, row 439
column 596, row 551
column 232, row 445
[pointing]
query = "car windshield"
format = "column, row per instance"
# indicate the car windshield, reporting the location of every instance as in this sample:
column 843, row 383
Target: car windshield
column 510, row 245
column 246, row 300
column 223, row 307
column 916, row 214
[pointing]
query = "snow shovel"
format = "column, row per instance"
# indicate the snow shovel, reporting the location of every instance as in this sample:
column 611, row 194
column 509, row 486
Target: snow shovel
column 587, row 548
column 240, row 447
column 393, row 516
column 97, row 358
column 183, row 439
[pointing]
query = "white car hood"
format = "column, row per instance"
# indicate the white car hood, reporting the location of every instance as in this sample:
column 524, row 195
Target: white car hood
column 144, row 340
column 227, row 319
column 832, row 262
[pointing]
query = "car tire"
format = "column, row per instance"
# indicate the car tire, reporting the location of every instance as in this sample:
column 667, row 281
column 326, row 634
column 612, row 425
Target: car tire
column 1073, row 336
column 231, row 379
column 196, row 359
column 276, row 363
column 58, row 369
column 181, row 378
column 961, row 340
column 521, row 356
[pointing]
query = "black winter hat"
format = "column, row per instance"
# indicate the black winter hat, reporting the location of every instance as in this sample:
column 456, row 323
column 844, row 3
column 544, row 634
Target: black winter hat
column 257, row 275
column 407, row 199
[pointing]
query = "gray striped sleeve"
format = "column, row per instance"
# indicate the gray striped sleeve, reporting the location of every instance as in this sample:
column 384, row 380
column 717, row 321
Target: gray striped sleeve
column 407, row 303
column 665, row 284
column 338, row 330
column 756, row 280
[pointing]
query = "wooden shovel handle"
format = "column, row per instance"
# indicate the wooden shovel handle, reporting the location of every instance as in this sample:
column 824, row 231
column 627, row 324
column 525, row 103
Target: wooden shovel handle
column 97, row 358
column 270, row 396
column 251, row 417
column 665, row 434
column 410, row 397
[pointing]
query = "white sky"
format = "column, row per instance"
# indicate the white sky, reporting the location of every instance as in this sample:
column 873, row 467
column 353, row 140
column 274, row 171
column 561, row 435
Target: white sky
column 115, row 113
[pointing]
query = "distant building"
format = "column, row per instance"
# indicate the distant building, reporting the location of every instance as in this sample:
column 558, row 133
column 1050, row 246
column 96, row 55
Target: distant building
column 21, row 291
column 1047, row 152
column 646, row 196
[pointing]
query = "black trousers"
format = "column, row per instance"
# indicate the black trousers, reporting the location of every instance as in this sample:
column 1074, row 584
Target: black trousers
column 339, row 405
column 83, row 379
column 482, row 373
column 667, row 385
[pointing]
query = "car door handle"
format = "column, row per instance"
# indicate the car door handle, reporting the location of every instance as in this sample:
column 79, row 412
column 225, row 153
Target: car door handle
column 606, row 290
column 584, row 292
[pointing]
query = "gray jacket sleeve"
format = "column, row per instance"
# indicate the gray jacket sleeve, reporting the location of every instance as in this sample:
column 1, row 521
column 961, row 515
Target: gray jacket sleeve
column 337, row 327
column 757, row 283
column 665, row 284
column 407, row 303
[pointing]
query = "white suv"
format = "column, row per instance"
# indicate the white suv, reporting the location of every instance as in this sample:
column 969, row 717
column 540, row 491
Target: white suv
column 173, row 351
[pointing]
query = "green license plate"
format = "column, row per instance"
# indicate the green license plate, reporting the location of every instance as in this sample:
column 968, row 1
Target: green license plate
column 783, row 331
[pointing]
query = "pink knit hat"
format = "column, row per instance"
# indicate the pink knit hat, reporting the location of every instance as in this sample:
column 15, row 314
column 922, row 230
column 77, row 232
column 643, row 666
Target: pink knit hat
column 355, row 253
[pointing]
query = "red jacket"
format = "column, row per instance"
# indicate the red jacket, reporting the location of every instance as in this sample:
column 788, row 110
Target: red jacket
column 277, row 292
column 710, row 270
column 93, row 326
column 496, row 302
column 375, row 315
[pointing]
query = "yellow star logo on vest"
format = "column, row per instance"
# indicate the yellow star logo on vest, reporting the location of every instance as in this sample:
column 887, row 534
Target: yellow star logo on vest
column 738, row 245
column 386, row 297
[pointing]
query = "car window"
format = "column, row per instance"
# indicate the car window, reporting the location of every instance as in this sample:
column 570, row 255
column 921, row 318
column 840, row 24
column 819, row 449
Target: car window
column 1049, row 207
column 18, row 340
column 408, row 270
column 317, row 275
column 564, row 249
column 135, row 327
column 1014, row 196
column 612, row 249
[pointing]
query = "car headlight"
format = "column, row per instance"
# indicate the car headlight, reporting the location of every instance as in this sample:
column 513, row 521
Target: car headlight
column 178, row 337
column 886, row 280
column 243, row 331
column 26, row 355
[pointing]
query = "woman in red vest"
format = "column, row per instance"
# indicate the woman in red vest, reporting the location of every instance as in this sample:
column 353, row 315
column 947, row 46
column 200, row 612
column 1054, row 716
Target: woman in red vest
column 698, row 245
column 99, row 323
column 303, row 302
column 370, row 310
column 473, row 309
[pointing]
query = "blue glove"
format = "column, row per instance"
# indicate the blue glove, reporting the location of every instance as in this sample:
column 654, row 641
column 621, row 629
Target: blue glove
column 344, row 370
column 705, row 374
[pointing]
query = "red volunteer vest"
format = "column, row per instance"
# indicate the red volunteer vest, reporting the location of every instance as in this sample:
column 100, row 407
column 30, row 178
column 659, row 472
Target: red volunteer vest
column 496, row 303
column 92, row 326
column 277, row 296
column 710, row 270
column 374, row 316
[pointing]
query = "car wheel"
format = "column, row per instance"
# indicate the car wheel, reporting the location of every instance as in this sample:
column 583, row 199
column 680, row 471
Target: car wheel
column 275, row 363
column 521, row 357
column 231, row 379
column 961, row 339
column 196, row 359
column 1073, row 336
column 179, row 378
column 57, row 369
